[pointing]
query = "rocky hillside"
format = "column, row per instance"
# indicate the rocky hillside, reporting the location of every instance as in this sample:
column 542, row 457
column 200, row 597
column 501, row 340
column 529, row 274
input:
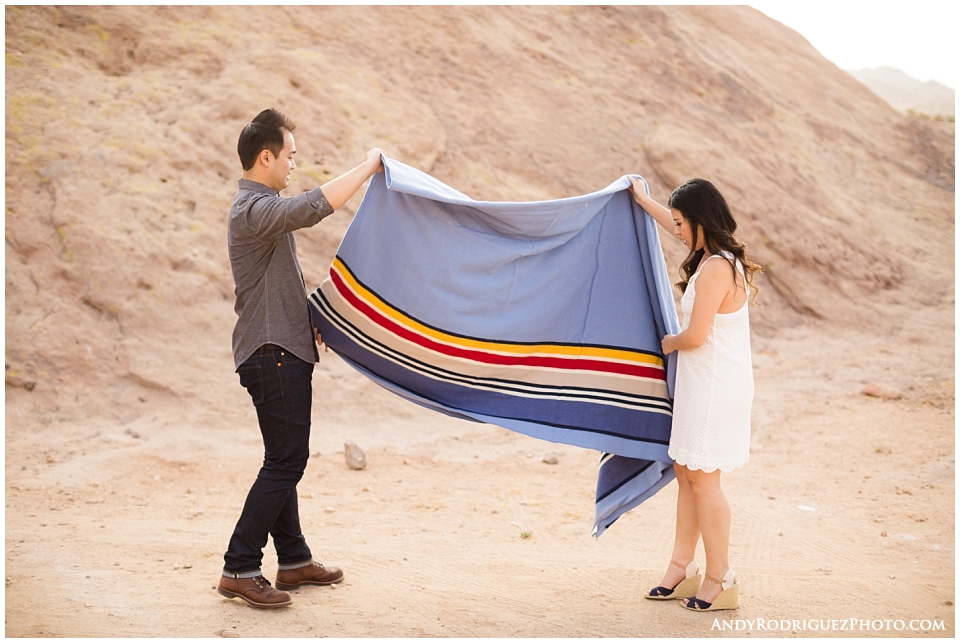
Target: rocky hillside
column 121, row 128
column 908, row 94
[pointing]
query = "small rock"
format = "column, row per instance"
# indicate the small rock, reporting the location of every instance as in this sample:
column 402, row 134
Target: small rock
column 551, row 458
column 891, row 576
column 135, row 435
column 883, row 534
column 780, row 534
column 354, row 456
column 948, row 603
column 86, row 604
column 49, row 459
column 333, row 586
column 329, row 510
column 156, row 477
column 875, row 390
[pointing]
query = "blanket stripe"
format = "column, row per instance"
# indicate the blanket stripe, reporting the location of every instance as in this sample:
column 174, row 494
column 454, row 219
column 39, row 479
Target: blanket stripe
column 616, row 376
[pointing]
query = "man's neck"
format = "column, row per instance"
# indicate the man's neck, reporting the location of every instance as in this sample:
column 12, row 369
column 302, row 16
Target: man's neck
column 257, row 177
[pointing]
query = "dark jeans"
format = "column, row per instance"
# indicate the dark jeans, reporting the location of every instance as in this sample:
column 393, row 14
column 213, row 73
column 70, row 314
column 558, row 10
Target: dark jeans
column 281, row 388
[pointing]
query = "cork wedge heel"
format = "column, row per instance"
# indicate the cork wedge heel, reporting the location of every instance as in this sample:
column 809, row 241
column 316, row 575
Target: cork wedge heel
column 686, row 588
column 729, row 598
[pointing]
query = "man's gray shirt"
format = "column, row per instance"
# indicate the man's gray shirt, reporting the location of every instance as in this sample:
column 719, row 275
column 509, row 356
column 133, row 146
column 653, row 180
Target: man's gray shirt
column 271, row 296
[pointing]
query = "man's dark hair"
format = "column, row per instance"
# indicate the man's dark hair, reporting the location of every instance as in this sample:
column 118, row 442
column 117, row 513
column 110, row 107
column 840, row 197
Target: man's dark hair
column 265, row 132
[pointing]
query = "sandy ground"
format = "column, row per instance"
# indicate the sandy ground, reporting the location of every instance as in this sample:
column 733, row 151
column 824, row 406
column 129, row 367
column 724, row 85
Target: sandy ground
column 845, row 510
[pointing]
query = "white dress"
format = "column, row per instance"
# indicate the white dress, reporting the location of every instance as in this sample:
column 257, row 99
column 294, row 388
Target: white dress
column 714, row 391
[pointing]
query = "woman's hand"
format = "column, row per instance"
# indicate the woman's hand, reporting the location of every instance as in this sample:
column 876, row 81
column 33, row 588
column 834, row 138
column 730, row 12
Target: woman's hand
column 637, row 190
column 667, row 344
column 660, row 214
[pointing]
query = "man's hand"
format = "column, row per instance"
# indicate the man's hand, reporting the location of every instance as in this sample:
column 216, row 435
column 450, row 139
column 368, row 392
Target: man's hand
column 339, row 190
column 326, row 349
column 373, row 159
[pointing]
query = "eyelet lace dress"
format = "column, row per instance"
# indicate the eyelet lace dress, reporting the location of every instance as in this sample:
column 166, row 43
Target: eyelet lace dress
column 714, row 391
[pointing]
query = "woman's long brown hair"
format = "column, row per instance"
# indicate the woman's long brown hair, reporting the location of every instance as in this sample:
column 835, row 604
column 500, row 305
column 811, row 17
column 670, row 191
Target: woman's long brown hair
column 701, row 204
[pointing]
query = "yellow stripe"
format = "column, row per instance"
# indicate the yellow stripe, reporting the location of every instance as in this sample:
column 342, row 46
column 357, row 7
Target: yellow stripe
column 548, row 349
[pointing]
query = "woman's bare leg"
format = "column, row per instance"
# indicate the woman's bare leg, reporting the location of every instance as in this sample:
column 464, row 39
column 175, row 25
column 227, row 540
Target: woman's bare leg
column 713, row 514
column 688, row 529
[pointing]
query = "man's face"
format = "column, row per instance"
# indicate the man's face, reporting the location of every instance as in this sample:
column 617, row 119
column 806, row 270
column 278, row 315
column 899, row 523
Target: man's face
column 281, row 166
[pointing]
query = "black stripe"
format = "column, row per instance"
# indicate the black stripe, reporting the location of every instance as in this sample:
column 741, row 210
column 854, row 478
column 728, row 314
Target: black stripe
column 485, row 383
column 328, row 310
column 553, row 424
column 628, row 479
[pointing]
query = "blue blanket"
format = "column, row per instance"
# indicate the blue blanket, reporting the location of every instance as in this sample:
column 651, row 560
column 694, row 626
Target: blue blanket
column 541, row 317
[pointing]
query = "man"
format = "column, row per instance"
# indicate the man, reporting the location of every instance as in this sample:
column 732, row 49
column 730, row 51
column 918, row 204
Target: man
column 274, row 350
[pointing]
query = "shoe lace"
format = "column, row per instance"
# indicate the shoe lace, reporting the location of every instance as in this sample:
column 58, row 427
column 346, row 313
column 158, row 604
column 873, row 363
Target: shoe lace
column 261, row 581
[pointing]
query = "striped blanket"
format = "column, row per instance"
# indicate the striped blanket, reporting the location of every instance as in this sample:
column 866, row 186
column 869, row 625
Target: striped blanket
column 541, row 317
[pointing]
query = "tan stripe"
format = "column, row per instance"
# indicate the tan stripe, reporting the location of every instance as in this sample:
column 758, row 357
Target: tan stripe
column 589, row 379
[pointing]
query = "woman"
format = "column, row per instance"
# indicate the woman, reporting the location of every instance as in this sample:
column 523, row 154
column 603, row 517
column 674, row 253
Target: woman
column 714, row 389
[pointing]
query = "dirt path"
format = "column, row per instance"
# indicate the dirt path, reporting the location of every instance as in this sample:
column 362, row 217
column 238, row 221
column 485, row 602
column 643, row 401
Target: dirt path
column 846, row 510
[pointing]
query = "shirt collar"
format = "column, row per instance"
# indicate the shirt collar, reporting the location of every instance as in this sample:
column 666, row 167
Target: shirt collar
column 245, row 184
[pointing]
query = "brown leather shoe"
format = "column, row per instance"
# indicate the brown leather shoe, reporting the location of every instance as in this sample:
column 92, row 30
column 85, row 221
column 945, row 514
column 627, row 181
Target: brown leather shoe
column 256, row 591
column 312, row 573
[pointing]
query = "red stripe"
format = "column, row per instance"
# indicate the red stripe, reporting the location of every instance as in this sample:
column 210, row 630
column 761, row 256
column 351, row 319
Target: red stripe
column 489, row 358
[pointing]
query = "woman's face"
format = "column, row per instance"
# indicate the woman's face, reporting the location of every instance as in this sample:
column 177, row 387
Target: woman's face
column 684, row 231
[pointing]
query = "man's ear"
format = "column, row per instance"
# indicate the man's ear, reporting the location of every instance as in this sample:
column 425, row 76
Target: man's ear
column 265, row 157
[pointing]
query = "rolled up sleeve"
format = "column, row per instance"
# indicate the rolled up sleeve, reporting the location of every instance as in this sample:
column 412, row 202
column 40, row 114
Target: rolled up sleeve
column 268, row 216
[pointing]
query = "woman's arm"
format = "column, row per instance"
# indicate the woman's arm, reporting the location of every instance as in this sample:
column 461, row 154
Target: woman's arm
column 660, row 214
column 713, row 284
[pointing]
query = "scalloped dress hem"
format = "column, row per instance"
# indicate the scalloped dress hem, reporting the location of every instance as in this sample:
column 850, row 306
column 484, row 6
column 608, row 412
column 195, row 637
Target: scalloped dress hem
column 708, row 467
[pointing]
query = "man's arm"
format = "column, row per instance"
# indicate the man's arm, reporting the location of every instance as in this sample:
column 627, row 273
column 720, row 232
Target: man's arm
column 339, row 190
column 268, row 217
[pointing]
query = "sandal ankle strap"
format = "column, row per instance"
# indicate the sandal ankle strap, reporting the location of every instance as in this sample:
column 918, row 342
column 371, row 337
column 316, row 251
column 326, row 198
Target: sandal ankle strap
column 689, row 569
column 726, row 582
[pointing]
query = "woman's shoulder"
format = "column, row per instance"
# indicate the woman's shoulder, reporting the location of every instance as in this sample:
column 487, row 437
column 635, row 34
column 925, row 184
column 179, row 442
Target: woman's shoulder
column 717, row 268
